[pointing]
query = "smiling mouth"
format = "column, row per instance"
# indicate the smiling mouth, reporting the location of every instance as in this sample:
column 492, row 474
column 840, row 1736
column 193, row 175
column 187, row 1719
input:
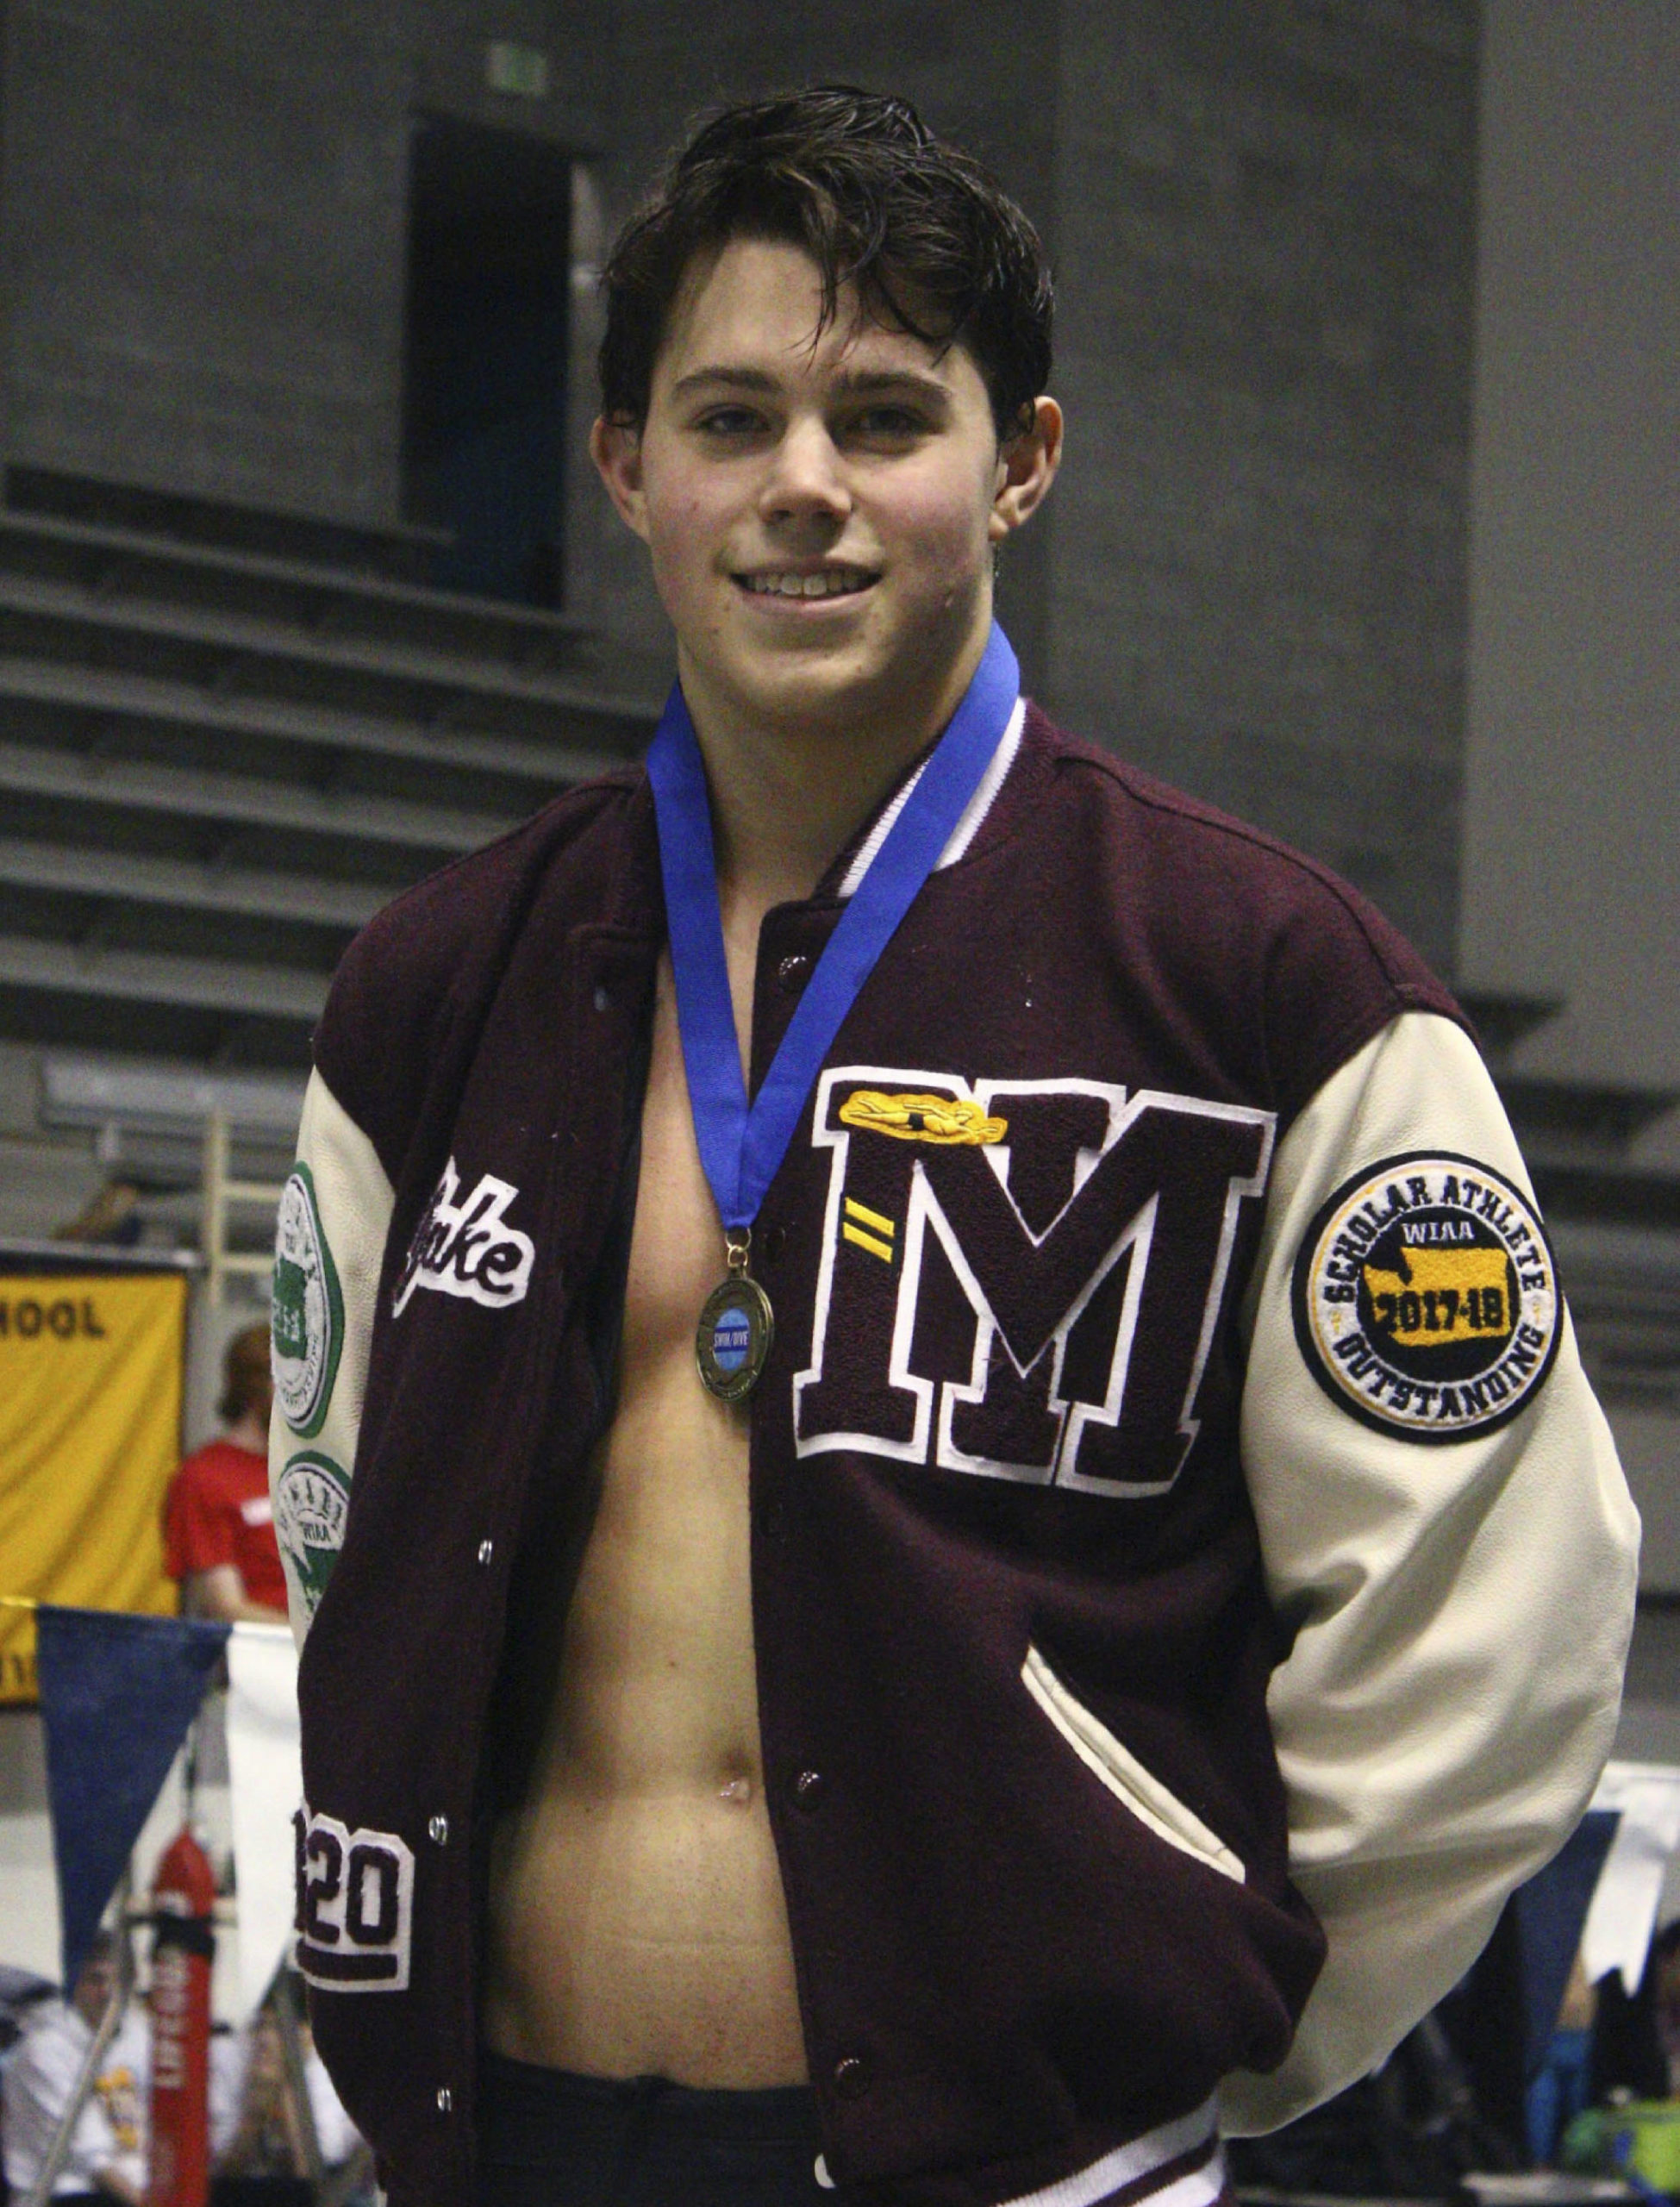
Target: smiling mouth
column 826, row 582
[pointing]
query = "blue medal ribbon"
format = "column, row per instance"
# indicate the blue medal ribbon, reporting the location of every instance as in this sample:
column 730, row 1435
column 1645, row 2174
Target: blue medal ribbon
column 741, row 1148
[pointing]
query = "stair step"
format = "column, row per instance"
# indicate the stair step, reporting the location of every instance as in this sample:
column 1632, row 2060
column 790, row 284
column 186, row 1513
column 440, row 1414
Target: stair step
column 66, row 622
column 114, row 565
column 1593, row 1114
column 127, row 564
column 153, row 977
column 1503, row 1018
column 75, row 694
column 205, row 794
column 222, row 524
column 1606, row 1196
column 37, row 1017
column 231, row 735
column 178, row 884
column 1621, row 1262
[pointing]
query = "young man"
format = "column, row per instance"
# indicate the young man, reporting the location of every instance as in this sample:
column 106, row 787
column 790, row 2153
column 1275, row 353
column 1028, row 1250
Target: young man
column 848, row 1616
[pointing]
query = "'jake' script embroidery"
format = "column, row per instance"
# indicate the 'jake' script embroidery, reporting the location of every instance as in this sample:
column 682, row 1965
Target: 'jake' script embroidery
column 466, row 1246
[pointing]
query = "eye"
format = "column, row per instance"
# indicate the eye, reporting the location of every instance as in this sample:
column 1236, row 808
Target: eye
column 727, row 424
column 889, row 423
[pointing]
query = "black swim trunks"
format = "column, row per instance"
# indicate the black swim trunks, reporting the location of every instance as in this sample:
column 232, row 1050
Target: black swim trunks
column 550, row 2139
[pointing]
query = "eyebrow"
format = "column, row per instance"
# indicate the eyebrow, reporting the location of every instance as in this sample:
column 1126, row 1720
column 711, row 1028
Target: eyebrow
column 853, row 382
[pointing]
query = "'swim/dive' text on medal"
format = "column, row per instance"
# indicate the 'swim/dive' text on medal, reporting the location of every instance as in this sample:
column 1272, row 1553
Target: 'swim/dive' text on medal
column 732, row 1342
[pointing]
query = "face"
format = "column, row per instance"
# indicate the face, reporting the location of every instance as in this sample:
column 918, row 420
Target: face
column 94, row 1986
column 820, row 515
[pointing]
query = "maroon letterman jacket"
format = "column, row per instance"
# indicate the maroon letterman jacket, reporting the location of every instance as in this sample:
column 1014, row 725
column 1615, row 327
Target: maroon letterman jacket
column 1011, row 1610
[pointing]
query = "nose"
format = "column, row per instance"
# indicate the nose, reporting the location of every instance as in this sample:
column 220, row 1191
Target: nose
column 805, row 480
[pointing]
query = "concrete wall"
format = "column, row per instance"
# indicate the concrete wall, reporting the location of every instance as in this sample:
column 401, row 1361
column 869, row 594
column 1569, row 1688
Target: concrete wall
column 1572, row 821
column 1571, row 874
column 204, row 219
column 1266, row 225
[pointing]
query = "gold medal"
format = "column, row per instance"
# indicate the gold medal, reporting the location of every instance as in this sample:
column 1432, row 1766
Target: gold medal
column 737, row 1326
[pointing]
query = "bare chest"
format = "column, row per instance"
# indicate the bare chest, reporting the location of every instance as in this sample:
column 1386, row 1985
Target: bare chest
column 677, row 1251
column 636, row 1912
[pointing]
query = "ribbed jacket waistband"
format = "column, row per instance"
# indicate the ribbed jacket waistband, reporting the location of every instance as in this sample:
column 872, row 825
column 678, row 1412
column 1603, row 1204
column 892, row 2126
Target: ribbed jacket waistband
column 1180, row 2164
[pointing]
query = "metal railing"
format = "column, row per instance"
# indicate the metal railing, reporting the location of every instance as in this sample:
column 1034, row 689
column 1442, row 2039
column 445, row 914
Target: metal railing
column 221, row 1194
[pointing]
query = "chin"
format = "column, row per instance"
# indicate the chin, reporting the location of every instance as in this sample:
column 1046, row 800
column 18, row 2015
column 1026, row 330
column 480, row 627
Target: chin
column 803, row 684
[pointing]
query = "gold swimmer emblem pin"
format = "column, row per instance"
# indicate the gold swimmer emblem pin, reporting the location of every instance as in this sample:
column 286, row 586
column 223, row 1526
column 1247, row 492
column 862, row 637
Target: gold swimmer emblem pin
column 941, row 1119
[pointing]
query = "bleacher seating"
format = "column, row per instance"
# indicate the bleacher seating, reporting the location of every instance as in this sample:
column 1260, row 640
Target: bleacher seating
column 227, row 737
column 1613, row 1215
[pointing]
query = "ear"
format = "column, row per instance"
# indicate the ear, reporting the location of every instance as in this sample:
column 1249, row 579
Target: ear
column 616, row 448
column 1026, row 464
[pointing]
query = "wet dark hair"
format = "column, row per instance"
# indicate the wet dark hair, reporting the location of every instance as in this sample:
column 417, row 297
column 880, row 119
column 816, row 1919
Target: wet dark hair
column 934, row 246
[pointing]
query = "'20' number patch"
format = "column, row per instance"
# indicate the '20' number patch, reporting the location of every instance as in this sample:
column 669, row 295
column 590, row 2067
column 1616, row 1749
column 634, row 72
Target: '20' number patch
column 1425, row 1298
column 355, row 1905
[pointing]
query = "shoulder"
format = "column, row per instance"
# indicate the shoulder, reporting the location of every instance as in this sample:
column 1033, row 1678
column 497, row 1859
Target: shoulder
column 217, row 1464
column 1234, row 925
column 201, row 1474
column 431, row 958
column 54, row 2041
column 1179, row 839
column 419, row 942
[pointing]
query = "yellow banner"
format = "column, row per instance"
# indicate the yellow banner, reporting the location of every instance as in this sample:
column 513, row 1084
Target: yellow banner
column 90, row 1371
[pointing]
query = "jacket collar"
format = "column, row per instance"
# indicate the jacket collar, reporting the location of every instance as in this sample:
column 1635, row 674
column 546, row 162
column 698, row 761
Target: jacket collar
column 1006, row 792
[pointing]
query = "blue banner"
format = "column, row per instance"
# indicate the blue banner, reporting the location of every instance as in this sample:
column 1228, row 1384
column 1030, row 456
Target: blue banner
column 117, row 1694
column 1551, row 1914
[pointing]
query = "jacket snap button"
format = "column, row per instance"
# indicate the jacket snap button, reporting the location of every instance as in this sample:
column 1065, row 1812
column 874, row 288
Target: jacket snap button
column 438, row 1831
column 446, row 2098
column 809, row 1789
column 793, row 972
column 602, row 999
column 851, row 2076
column 775, row 1241
column 486, row 1550
column 772, row 1521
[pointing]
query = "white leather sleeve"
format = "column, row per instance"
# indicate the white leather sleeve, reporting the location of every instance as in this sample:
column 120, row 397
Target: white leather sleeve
column 329, row 1247
column 1452, row 1690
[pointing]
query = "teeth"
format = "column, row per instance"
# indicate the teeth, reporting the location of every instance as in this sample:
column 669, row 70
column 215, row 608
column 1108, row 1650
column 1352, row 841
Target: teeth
column 832, row 581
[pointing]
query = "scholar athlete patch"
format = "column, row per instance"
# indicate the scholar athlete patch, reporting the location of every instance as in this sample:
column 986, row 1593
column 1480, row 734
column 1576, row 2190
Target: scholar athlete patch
column 311, row 1497
column 355, row 1905
column 1426, row 1300
column 307, row 1319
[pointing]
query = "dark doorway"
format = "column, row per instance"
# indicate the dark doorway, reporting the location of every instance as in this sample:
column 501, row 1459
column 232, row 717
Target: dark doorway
column 484, row 415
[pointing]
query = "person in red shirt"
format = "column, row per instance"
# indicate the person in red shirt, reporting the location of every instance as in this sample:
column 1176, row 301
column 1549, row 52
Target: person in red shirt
column 218, row 1526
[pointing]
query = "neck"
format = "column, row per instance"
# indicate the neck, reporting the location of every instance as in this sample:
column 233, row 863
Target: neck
column 782, row 812
column 250, row 1431
column 789, row 794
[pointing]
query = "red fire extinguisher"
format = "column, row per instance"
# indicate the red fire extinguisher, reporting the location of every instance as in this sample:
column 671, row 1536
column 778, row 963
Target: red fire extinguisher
column 183, row 1944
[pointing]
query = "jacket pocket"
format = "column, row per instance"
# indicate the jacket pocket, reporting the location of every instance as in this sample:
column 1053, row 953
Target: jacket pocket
column 1119, row 1769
